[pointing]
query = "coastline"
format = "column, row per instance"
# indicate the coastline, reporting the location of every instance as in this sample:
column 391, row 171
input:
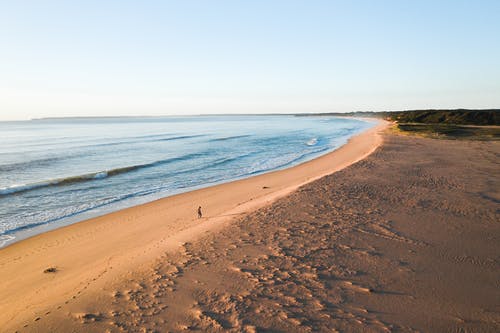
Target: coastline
column 90, row 253
column 69, row 209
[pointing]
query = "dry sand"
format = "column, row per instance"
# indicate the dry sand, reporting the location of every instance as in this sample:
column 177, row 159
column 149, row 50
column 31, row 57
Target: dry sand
column 93, row 258
column 406, row 240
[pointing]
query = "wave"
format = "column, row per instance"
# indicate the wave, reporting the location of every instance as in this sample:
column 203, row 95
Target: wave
column 229, row 138
column 213, row 164
column 182, row 137
column 286, row 162
column 121, row 141
column 15, row 189
column 23, row 165
column 75, row 211
column 162, row 138
column 4, row 239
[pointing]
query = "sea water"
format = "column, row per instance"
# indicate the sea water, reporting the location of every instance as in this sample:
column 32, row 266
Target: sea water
column 55, row 172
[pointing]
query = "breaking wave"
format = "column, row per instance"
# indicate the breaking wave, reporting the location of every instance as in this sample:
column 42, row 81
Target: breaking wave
column 14, row 189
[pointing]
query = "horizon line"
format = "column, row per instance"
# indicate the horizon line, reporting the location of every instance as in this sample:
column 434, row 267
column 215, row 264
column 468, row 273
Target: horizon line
column 243, row 114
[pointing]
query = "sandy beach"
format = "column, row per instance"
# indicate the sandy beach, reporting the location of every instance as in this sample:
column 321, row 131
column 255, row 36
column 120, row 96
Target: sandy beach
column 91, row 255
column 406, row 239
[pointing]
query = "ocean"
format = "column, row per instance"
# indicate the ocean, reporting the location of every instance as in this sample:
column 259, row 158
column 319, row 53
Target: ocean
column 55, row 172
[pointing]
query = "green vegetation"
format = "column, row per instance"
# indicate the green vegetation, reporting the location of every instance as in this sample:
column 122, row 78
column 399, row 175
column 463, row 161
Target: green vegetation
column 447, row 124
column 450, row 131
column 456, row 117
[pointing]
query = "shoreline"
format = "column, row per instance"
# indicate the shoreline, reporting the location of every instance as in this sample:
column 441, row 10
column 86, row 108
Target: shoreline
column 23, row 232
column 89, row 253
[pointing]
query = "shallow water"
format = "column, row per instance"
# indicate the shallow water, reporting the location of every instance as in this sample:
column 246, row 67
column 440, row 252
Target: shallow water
column 58, row 171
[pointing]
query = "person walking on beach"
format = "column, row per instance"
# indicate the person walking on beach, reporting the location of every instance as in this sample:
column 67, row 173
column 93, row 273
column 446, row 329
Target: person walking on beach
column 199, row 212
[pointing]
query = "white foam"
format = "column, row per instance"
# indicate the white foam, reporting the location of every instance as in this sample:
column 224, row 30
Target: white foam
column 100, row 175
column 4, row 239
column 23, row 187
column 312, row 142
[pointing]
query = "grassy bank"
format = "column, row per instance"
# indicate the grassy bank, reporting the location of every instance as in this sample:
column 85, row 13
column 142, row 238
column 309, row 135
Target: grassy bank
column 450, row 131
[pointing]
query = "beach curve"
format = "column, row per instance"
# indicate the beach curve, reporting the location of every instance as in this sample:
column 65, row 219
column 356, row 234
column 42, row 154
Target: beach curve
column 88, row 254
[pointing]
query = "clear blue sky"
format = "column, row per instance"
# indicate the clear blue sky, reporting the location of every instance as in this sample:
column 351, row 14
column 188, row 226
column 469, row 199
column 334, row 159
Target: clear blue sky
column 88, row 58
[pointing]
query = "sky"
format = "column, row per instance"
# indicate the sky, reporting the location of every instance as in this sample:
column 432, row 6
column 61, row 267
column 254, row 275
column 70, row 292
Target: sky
column 124, row 58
